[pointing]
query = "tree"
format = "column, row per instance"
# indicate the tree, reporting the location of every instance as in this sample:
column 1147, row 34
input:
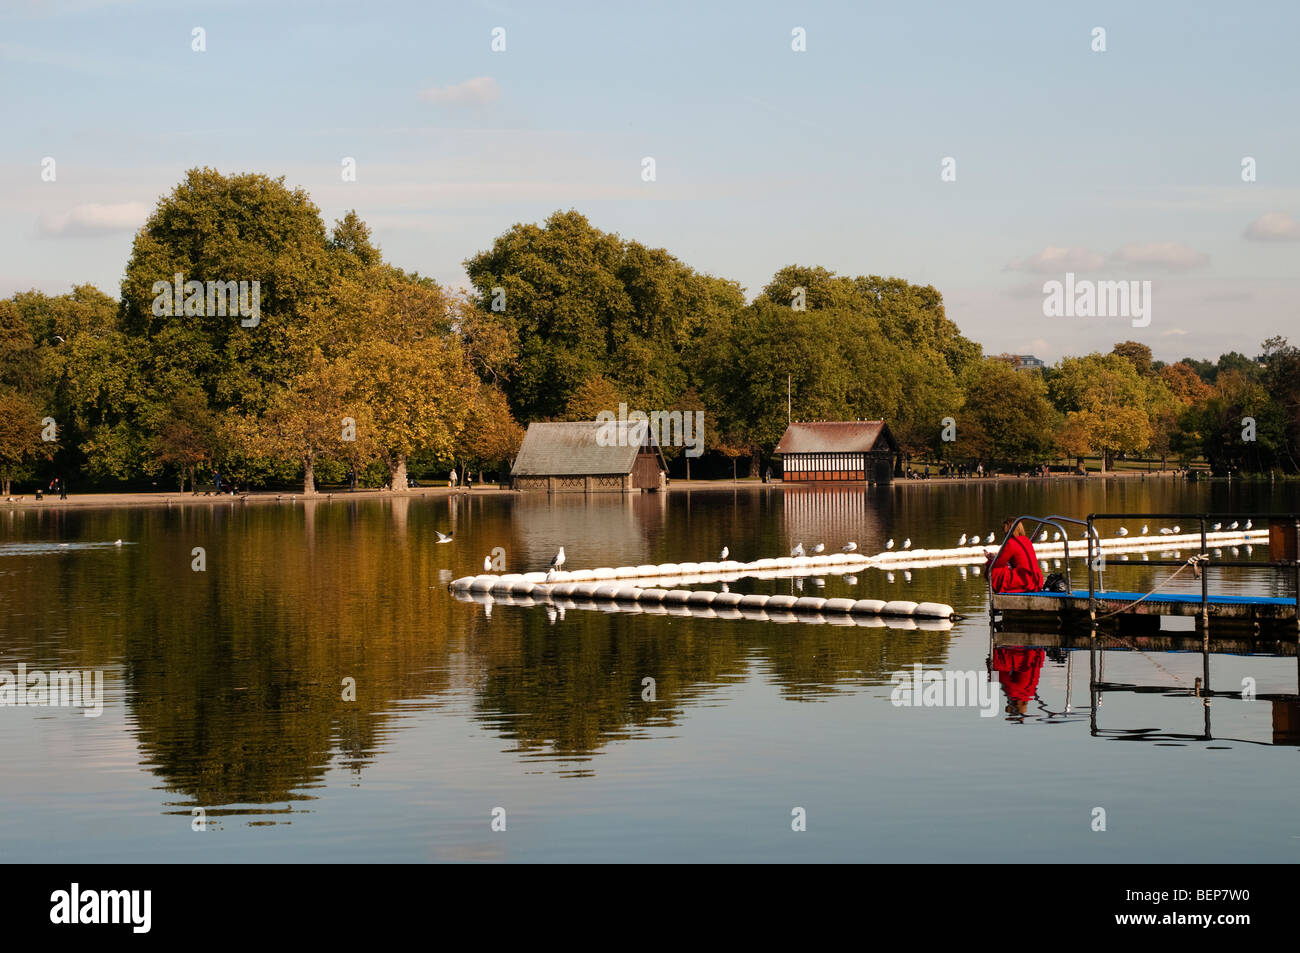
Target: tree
column 1007, row 415
column 1104, row 401
column 420, row 396
column 20, row 434
column 185, row 434
column 314, row 417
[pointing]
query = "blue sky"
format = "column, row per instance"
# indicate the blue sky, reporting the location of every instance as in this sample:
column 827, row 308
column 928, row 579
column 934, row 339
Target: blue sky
column 1123, row 164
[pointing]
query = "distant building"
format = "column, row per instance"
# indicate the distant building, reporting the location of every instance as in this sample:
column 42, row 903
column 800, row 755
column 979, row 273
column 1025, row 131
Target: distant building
column 846, row 451
column 1022, row 362
column 589, row 457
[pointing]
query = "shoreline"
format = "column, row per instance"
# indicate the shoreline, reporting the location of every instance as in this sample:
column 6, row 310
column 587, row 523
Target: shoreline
column 176, row 498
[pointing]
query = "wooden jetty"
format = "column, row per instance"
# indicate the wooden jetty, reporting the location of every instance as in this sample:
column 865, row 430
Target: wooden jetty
column 1119, row 609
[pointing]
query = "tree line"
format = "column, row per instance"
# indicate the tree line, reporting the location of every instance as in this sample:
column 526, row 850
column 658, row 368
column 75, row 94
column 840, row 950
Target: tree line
column 353, row 365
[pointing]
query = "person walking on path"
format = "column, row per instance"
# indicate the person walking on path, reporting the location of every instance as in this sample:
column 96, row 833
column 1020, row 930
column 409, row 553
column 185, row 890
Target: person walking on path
column 451, row 478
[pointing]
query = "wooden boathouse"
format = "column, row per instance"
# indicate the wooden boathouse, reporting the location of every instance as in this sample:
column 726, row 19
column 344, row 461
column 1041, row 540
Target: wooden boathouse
column 840, row 451
column 589, row 456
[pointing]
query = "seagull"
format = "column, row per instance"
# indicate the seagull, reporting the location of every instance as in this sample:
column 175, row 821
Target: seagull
column 487, row 563
column 889, row 545
column 1123, row 531
column 1233, row 525
column 797, row 551
column 1144, row 529
column 990, row 538
column 1166, row 531
column 1177, row 530
column 961, row 570
column 444, row 537
column 907, row 543
column 975, row 570
column 1056, row 564
column 850, row 580
column 1124, row 558
column 1248, row 525
column 723, row 556
column 889, row 577
column 557, row 561
column 962, row 541
column 550, row 575
column 1056, row 537
column 1216, row 527
column 1042, row 537
column 850, row 546
column 820, row 547
column 907, row 575
column 117, row 542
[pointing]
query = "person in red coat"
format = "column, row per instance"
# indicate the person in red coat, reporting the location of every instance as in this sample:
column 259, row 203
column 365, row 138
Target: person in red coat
column 1016, row 569
column 1018, row 670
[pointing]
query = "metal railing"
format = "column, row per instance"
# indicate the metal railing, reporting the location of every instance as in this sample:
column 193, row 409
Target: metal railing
column 1038, row 522
column 1204, row 563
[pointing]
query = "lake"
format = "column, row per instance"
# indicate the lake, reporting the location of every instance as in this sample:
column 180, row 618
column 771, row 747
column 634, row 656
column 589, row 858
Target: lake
column 227, row 733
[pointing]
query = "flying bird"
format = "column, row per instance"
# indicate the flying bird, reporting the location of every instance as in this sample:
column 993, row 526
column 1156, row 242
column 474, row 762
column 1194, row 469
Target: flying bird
column 850, row 546
column 557, row 561
column 444, row 537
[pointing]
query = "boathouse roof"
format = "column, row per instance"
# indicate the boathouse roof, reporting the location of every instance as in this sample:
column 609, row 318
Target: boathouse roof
column 577, row 448
column 837, row 436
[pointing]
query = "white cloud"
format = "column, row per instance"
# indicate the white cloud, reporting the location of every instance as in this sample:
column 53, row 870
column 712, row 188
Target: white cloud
column 1052, row 260
column 1273, row 227
column 1160, row 256
column 479, row 91
column 94, row 219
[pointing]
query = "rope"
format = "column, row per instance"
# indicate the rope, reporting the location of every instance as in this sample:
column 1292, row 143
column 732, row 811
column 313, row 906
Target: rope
column 1192, row 561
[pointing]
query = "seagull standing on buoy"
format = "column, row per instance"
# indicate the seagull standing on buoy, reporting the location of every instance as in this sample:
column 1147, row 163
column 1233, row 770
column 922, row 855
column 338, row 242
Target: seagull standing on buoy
column 962, row 541
column 723, row 556
column 1233, row 525
column 1248, row 525
column 1216, row 527
column 1144, row 529
column 797, row 551
column 557, row 561
column 1056, row 537
column 907, row 543
column 1042, row 537
column 1123, row 531
column 487, row 563
column 819, row 548
column 989, row 539
column 1166, row 531
column 851, row 546
column 889, row 545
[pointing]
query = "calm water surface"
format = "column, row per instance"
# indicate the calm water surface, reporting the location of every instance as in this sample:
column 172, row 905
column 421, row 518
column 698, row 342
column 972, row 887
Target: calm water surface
column 223, row 691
